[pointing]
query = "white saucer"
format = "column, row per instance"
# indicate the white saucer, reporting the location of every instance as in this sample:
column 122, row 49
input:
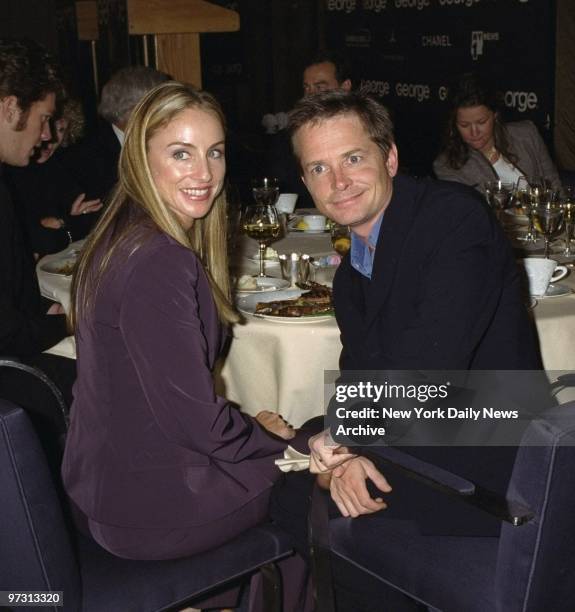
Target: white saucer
column 555, row 290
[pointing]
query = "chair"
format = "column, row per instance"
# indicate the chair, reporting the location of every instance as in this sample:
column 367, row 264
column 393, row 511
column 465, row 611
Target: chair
column 41, row 552
column 529, row 567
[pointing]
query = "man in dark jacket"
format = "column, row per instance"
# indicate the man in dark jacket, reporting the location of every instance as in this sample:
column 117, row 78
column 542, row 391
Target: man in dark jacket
column 29, row 324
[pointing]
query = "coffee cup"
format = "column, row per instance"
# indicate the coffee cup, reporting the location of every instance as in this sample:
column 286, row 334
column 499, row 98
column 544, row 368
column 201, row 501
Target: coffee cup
column 540, row 272
column 286, row 203
column 314, row 223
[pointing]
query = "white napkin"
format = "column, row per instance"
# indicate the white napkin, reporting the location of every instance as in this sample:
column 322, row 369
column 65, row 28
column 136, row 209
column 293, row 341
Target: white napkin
column 293, row 461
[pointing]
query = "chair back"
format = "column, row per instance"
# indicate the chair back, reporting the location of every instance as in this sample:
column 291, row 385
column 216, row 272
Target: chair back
column 536, row 562
column 36, row 549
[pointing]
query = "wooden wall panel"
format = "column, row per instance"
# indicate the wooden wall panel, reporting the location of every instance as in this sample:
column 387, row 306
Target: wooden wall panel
column 179, row 56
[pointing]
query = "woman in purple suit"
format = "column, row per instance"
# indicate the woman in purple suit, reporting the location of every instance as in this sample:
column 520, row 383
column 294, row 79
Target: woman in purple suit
column 156, row 464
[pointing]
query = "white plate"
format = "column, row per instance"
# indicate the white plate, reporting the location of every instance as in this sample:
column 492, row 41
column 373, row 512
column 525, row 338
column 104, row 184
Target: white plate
column 247, row 305
column 61, row 267
column 266, row 283
column 555, row 290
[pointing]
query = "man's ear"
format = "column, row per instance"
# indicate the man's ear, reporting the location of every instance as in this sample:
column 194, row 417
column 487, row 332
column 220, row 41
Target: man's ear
column 10, row 110
column 345, row 85
column 392, row 162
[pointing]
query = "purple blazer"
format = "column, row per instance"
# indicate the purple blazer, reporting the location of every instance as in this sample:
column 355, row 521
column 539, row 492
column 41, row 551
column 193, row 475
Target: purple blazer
column 150, row 443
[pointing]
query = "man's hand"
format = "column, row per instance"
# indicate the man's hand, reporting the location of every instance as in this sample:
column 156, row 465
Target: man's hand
column 326, row 454
column 56, row 309
column 349, row 491
column 275, row 424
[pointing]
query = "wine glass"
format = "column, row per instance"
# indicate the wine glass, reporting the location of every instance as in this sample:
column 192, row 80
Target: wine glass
column 261, row 222
column 498, row 195
column 567, row 202
column 525, row 196
column 548, row 221
column 340, row 238
column 265, row 190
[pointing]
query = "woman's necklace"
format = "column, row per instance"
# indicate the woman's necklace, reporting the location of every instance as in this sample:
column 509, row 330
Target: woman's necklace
column 492, row 155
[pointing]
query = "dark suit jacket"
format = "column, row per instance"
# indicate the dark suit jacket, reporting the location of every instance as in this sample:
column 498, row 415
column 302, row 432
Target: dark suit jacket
column 150, row 443
column 444, row 295
column 25, row 328
column 48, row 190
column 94, row 162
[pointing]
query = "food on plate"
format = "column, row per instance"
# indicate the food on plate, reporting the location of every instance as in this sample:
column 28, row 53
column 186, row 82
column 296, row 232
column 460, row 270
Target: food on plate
column 316, row 301
column 66, row 269
column 247, row 283
column 301, row 225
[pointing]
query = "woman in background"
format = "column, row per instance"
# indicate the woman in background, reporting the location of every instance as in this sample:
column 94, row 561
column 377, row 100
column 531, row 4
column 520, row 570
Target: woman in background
column 479, row 147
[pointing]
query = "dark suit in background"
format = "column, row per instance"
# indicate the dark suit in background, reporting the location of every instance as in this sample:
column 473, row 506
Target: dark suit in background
column 94, row 161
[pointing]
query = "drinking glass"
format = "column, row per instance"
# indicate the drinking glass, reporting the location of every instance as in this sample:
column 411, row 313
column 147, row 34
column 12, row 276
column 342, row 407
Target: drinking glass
column 527, row 195
column 548, row 221
column 265, row 190
column 261, row 222
column 567, row 202
column 340, row 238
column 498, row 195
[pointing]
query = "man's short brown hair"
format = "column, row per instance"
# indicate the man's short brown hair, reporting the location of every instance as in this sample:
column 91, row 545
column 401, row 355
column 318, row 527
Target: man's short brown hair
column 326, row 105
column 27, row 72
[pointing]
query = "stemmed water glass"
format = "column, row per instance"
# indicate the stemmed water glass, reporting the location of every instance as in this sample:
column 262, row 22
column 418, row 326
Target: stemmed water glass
column 265, row 190
column 498, row 195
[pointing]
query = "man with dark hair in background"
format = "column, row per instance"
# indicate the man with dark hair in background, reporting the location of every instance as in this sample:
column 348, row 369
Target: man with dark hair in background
column 326, row 71
column 29, row 324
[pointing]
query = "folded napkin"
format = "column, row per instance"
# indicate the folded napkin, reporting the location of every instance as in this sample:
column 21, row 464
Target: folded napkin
column 64, row 348
column 293, row 461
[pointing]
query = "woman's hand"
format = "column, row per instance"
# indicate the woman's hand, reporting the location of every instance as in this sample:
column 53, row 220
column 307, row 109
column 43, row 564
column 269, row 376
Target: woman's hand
column 80, row 206
column 349, row 491
column 326, row 454
column 275, row 424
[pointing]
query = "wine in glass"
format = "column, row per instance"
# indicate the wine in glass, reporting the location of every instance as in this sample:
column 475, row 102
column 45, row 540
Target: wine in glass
column 265, row 190
column 262, row 223
column 548, row 221
column 340, row 238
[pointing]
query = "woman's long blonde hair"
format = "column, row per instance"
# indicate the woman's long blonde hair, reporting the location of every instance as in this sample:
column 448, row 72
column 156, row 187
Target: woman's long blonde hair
column 136, row 203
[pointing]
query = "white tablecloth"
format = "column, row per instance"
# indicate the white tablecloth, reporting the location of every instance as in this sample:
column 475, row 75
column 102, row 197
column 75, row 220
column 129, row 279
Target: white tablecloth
column 280, row 366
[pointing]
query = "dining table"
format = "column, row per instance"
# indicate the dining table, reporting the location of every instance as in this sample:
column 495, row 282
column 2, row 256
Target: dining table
column 281, row 365
column 269, row 364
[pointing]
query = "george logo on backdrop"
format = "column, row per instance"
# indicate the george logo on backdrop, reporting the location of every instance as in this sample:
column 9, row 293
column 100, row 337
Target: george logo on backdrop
column 374, row 5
